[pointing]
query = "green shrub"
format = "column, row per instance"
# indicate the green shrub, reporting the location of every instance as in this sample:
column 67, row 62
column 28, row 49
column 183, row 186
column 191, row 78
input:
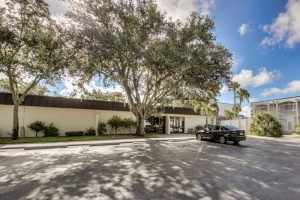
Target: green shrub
column 191, row 131
column 115, row 123
column 101, row 128
column 51, row 131
column 74, row 133
column 298, row 128
column 90, row 132
column 37, row 127
column 198, row 128
column 265, row 124
column 146, row 129
column 128, row 123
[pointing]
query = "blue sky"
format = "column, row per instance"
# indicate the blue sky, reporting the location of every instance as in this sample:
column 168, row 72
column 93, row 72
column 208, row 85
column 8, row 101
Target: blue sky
column 264, row 37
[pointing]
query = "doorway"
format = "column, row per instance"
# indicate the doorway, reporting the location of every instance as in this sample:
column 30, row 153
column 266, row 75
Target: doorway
column 156, row 125
column 177, row 124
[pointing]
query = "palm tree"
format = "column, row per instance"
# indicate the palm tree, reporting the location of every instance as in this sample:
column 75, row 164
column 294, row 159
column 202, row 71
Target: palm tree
column 209, row 108
column 234, row 86
column 243, row 94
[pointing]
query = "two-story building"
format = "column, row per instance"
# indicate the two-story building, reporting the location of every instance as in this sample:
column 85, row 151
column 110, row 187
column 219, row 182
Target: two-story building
column 286, row 110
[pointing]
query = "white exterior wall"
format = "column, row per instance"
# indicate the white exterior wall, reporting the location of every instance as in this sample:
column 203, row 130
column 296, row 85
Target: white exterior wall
column 243, row 124
column 288, row 121
column 223, row 107
column 105, row 115
column 68, row 119
column 191, row 121
column 287, row 117
column 64, row 119
column 5, row 120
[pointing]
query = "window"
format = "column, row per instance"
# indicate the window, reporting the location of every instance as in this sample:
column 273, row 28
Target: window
column 177, row 124
column 155, row 124
column 229, row 127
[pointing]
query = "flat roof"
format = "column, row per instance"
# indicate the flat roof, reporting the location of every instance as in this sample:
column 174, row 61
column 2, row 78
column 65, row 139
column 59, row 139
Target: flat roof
column 62, row 102
column 277, row 99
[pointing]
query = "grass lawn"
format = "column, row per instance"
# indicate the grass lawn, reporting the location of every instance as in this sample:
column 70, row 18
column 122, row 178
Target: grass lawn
column 73, row 138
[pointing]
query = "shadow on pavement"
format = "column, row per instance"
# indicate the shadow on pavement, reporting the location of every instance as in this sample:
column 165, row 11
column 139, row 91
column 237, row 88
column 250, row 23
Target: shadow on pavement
column 149, row 171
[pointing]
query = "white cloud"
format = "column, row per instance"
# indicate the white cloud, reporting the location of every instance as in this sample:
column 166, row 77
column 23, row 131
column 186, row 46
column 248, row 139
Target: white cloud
column 181, row 9
column 72, row 88
column 224, row 89
column 57, row 7
column 243, row 29
column 285, row 28
column 177, row 9
column 292, row 87
column 246, row 111
column 252, row 100
column 237, row 61
column 2, row 76
column 247, row 78
column 205, row 6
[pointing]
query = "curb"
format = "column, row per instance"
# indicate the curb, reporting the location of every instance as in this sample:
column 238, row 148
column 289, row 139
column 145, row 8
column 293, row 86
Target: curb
column 293, row 140
column 91, row 144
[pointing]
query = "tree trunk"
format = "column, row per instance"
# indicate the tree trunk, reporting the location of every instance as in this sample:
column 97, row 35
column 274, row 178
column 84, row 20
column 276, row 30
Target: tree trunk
column 15, row 128
column 140, row 126
column 234, row 99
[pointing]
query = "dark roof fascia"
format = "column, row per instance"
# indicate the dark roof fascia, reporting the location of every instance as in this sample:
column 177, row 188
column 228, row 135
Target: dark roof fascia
column 62, row 102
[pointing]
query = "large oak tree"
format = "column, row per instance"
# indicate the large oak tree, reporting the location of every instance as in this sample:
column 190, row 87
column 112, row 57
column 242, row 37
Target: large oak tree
column 154, row 58
column 30, row 49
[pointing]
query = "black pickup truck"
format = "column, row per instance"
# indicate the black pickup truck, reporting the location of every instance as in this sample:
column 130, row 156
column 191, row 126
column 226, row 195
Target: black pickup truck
column 221, row 134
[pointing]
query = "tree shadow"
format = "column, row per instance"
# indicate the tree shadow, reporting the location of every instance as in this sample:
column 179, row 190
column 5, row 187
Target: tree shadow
column 148, row 171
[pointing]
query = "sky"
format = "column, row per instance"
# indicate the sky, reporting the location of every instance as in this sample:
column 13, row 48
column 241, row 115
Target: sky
column 264, row 37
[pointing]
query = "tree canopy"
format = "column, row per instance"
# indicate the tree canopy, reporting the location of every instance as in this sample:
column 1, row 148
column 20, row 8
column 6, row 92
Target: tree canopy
column 39, row 89
column 31, row 49
column 153, row 58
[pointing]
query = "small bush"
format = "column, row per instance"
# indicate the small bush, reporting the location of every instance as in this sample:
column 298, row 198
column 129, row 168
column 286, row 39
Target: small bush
column 265, row 124
column 115, row 123
column 146, row 129
column 198, row 128
column 37, row 127
column 298, row 128
column 191, row 131
column 90, row 132
column 74, row 133
column 101, row 128
column 51, row 131
column 128, row 123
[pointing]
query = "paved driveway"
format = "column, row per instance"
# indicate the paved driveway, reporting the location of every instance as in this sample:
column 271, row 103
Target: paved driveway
column 257, row 169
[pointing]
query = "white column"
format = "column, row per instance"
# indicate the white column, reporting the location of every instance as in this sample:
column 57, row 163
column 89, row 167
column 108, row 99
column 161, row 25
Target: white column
column 277, row 111
column 96, row 122
column 167, row 124
column 253, row 111
column 268, row 108
column 297, row 112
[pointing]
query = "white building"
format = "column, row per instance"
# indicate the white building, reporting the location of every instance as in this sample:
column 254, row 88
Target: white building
column 286, row 110
column 223, row 107
column 79, row 115
column 69, row 114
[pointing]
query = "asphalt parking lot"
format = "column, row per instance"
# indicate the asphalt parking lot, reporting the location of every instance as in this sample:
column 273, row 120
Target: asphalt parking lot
column 256, row 169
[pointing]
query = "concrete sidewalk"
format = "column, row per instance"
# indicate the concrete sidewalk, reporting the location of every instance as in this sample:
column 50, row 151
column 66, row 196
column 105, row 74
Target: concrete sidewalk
column 285, row 138
column 49, row 145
